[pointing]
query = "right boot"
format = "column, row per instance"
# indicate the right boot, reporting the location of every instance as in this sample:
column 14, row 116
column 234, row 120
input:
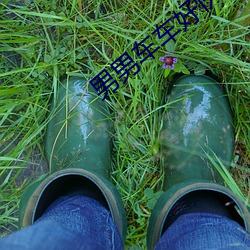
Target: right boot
column 78, row 150
column 197, row 124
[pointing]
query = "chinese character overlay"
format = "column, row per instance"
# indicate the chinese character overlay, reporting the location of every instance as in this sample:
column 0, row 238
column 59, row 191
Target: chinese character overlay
column 124, row 64
column 121, row 64
column 166, row 32
column 99, row 81
column 176, row 15
column 145, row 49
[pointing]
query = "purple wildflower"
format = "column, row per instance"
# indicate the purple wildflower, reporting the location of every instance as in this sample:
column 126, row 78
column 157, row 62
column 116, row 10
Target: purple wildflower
column 168, row 61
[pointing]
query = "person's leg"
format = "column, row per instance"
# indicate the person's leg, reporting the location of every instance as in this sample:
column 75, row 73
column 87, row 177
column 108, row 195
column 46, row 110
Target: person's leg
column 204, row 231
column 71, row 222
column 197, row 137
column 78, row 149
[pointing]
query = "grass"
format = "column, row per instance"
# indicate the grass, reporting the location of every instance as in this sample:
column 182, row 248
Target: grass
column 46, row 41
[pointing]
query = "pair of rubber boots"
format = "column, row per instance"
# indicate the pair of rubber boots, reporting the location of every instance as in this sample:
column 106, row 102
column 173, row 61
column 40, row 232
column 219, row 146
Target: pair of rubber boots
column 197, row 127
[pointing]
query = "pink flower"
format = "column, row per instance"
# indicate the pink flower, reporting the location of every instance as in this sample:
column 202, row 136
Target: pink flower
column 168, row 61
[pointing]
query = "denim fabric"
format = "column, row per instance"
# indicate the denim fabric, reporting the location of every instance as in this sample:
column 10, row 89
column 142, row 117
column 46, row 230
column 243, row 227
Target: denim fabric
column 76, row 222
column 204, row 231
column 80, row 222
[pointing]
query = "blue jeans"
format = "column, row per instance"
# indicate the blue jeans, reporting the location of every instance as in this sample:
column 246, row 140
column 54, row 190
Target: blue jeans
column 70, row 223
column 204, row 231
column 80, row 222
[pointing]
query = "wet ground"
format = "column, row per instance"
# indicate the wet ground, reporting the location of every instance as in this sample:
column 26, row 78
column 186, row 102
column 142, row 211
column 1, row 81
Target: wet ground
column 36, row 167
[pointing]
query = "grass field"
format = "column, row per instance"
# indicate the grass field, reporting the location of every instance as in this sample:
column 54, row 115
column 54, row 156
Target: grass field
column 45, row 41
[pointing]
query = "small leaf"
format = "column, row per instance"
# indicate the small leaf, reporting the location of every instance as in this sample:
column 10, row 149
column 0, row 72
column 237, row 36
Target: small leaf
column 191, row 65
column 34, row 74
column 85, row 24
column 158, row 194
column 41, row 77
column 200, row 70
column 151, row 203
column 79, row 25
column 79, row 18
column 54, row 53
column 80, row 56
column 185, row 71
column 179, row 67
column 148, row 192
column 47, row 58
column 62, row 49
column 170, row 46
column 40, row 70
column 166, row 72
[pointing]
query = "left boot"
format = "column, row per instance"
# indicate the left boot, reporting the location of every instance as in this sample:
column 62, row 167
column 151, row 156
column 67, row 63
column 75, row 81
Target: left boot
column 78, row 150
column 197, row 124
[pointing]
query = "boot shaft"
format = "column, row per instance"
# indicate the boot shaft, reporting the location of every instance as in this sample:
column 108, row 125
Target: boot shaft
column 197, row 122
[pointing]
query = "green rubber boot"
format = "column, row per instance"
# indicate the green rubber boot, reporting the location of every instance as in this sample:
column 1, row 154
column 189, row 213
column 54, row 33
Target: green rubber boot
column 78, row 149
column 197, row 123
